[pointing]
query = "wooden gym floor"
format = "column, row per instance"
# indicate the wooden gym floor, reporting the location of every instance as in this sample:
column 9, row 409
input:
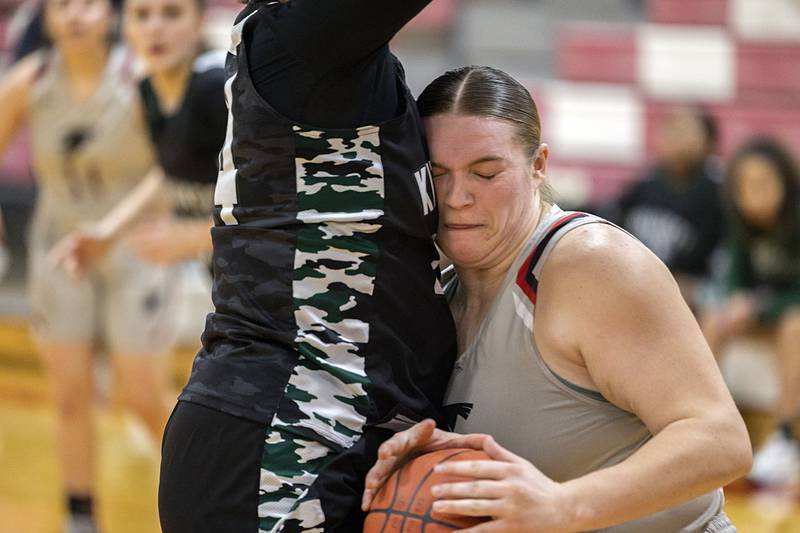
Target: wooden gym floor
column 127, row 472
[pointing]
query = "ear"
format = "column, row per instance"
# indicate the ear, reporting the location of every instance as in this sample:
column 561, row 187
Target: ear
column 539, row 163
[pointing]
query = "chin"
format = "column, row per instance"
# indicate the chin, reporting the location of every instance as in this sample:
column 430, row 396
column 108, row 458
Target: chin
column 464, row 257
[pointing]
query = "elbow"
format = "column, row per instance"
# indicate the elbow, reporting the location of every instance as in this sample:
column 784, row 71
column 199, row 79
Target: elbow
column 737, row 450
column 745, row 456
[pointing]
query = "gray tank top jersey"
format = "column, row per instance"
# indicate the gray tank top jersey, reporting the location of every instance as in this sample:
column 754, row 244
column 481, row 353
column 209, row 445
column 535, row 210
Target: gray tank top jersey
column 502, row 386
column 86, row 155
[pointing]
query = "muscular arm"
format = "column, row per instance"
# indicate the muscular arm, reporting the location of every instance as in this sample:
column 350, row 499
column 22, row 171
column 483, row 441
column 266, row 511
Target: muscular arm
column 620, row 314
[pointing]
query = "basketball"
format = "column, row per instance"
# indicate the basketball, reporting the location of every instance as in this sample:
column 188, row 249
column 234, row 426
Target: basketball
column 404, row 503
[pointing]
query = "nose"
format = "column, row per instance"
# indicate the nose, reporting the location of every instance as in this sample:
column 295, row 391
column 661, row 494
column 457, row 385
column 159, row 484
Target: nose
column 74, row 13
column 153, row 25
column 456, row 192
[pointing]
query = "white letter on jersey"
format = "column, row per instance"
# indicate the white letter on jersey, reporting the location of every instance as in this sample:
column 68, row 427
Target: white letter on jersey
column 225, row 194
column 425, row 184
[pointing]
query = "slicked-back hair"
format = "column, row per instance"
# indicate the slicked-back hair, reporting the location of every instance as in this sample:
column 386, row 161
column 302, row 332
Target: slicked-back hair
column 485, row 92
column 491, row 93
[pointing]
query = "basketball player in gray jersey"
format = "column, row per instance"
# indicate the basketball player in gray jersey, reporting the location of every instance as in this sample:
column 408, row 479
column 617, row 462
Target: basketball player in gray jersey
column 89, row 148
column 577, row 353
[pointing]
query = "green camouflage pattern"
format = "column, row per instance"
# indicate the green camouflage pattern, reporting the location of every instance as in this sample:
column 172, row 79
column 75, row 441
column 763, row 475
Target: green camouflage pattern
column 290, row 464
column 325, row 404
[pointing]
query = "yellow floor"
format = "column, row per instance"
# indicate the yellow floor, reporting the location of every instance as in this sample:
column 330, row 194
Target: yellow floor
column 127, row 471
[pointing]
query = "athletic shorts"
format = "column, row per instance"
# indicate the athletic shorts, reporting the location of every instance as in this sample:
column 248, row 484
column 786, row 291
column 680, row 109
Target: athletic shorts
column 128, row 306
column 222, row 473
column 720, row 524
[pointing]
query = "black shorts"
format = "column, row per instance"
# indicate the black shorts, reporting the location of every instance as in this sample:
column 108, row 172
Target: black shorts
column 225, row 474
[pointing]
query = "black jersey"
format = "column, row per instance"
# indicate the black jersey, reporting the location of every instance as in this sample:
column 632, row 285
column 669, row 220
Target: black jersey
column 328, row 304
column 189, row 140
column 679, row 222
column 334, row 56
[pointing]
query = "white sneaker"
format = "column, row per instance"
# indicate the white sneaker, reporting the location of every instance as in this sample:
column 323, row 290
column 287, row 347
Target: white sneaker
column 777, row 462
column 80, row 524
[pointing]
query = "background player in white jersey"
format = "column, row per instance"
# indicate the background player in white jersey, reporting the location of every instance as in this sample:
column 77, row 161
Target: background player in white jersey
column 184, row 104
column 613, row 413
column 89, row 148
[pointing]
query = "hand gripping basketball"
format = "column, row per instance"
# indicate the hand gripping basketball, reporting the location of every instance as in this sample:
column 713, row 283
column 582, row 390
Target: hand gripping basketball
column 514, row 493
column 400, row 448
column 405, row 503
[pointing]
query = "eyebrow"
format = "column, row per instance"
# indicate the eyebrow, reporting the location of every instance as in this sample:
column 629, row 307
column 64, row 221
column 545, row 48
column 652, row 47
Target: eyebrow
column 487, row 159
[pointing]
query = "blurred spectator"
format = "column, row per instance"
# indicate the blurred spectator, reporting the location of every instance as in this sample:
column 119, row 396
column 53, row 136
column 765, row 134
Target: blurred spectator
column 676, row 209
column 32, row 36
column 764, row 286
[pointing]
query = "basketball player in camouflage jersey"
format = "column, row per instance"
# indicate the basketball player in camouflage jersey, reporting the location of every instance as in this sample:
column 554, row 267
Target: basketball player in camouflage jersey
column 330, row 329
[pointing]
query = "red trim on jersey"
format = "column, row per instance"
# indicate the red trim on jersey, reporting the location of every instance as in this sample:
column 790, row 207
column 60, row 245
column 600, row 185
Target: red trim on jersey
column 522, row 284
column 525, row 278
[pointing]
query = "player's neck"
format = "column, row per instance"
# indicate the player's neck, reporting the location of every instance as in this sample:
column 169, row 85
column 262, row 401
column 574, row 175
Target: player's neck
column 171, row 85
column 481, row 282
column 84, row 70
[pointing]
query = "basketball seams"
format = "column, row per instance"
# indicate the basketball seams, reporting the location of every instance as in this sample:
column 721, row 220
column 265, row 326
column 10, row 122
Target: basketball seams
column 394, row 498
column 422, row 482
column 425, row 519
column 416, row 513
column 419, row 487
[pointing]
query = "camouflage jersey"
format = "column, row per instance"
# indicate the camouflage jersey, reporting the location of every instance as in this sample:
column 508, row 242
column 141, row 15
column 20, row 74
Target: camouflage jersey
column 329, row 313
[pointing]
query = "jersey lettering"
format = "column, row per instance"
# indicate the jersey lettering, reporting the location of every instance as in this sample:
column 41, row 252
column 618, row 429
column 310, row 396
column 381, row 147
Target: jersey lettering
column 424, row 178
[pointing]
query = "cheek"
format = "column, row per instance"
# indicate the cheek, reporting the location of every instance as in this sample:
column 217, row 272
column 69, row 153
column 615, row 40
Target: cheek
column 100, row 19
column 184, row 33
column 773, row 197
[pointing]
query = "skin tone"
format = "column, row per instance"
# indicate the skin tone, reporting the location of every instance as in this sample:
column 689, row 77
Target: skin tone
column 759, row 194
column 166, row 35
column 79, row 31
column 682, row 142
column 671, row 382
column 483, row 239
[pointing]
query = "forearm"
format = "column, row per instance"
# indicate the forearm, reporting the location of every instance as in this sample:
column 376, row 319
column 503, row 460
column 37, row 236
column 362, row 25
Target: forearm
column 686, row 459
column 127, row 211
column 198, row 235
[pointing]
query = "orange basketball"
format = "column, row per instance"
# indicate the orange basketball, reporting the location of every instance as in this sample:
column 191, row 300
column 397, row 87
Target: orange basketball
column 404, row 503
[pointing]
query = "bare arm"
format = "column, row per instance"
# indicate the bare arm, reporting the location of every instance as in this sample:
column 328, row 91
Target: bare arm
column 168, row 241
column 646, row 355
column 132, row 207
column 610, row 317
column 83, row 249
column 14, row 91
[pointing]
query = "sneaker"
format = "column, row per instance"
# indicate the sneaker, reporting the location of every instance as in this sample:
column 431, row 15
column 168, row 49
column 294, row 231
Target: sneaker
column 777, row 462
column 78, row 523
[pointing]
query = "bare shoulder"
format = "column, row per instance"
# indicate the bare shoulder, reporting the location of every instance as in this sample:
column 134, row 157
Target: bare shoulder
column 19, row 80
column 24, row 72
column 600, row 258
